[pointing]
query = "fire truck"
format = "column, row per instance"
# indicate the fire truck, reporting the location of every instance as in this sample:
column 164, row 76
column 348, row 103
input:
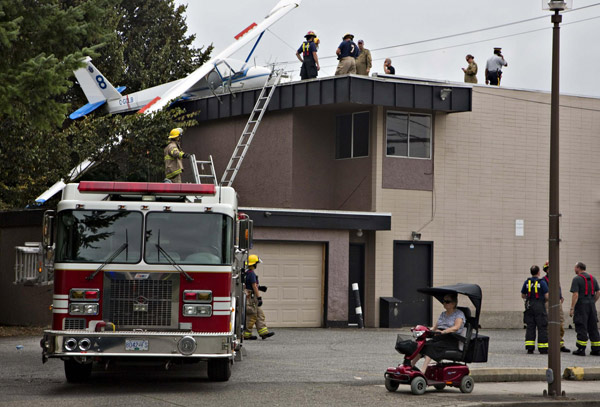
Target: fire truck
column 146, row 271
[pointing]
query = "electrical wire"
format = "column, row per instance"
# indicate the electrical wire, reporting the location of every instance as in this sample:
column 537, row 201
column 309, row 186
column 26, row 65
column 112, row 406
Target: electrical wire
column 472, row 42
column 467, row 33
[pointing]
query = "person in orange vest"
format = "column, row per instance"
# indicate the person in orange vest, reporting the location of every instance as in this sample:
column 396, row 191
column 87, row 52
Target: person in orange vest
column 535, row 294
column 586, row 292
column 563, row 348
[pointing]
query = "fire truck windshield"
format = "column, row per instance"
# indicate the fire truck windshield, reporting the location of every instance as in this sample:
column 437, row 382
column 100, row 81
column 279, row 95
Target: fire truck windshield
column 188, row 238
column 93, row 236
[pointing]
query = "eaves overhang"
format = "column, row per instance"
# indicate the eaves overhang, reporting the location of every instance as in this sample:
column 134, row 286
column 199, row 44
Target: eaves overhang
column 318, row 219
column 387, row 91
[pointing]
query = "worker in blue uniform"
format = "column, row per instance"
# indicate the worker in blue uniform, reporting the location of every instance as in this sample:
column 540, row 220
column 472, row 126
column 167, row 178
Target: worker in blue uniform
column 535, row 294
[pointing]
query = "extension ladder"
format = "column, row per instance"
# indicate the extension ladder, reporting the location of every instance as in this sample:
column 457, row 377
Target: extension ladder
column 250, row 130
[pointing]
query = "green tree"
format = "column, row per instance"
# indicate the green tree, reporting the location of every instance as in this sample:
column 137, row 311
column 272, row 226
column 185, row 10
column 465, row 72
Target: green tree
column 137, row 43
column 42, row 42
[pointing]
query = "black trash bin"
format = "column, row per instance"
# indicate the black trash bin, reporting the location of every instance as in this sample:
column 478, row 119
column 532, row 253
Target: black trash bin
column 389, row 312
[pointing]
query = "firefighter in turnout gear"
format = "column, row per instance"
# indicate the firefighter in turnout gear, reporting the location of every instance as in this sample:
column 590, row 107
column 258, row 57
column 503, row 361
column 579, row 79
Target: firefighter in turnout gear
column 254, row 312
column 586, row 292
column 174, row 156
column 535, row 294
column 563, row 348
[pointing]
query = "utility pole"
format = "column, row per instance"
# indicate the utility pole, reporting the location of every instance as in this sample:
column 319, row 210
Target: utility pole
column 554, row 370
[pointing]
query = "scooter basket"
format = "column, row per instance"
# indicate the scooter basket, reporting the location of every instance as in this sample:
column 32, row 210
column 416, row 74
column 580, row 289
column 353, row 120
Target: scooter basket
column 478, row 350
column 405, row 344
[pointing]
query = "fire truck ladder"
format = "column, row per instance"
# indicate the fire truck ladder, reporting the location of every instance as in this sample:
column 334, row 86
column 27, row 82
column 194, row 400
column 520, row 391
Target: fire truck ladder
column 250, row 130
column 203, row 170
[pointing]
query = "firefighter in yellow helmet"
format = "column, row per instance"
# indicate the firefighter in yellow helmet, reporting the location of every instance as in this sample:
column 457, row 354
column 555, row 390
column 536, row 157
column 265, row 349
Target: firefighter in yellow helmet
column 254, row 313
column 174, row 156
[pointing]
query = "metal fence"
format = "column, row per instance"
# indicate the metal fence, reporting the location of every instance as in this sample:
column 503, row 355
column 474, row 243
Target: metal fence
column 31, row 265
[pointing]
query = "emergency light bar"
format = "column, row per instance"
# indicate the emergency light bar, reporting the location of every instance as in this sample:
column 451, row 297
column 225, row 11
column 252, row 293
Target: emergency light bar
column 146, row 188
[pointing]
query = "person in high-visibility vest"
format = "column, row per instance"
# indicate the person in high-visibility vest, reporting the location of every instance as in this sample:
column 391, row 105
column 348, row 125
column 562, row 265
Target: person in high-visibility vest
column 535, row 294
column 174, row 156
column 563, row 348
column 586, row 292
column 307, row 54
column 254, row 302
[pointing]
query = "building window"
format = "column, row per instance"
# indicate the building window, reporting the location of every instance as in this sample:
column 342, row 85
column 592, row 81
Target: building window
column 408, row 135
column 352, row 135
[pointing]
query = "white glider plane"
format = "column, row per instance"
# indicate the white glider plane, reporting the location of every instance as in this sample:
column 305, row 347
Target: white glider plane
column 219, row 72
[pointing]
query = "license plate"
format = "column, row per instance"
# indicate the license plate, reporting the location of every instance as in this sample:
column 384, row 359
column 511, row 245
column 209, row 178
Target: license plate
column 136, row 344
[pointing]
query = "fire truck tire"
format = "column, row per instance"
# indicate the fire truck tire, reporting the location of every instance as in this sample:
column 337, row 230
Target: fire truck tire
column 219, row 370
column 77, row 372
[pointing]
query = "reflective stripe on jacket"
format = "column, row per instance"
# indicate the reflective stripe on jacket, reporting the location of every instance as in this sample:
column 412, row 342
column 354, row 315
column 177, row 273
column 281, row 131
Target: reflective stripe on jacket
column 173, row 159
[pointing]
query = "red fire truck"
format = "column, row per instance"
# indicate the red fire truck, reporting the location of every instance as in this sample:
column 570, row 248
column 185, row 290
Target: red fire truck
column 146, row 271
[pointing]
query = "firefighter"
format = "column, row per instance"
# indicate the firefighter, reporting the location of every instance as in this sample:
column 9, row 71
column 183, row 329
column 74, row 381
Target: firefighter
column 583, row 310
column 563, row 348
column 307, row 54
column 254, row 312
column 535, row 294
column 174, row 157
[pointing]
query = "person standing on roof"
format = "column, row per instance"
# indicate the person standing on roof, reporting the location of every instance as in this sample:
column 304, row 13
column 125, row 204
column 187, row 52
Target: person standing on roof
column 535, row 294
column 347, row 53
column 307, row 54
column 471, row 70
column 364, row 62
column 586, row 292
column 174, row 157
column 493, row 68
column 563, row 348
column 254, row 302
column 388, row 68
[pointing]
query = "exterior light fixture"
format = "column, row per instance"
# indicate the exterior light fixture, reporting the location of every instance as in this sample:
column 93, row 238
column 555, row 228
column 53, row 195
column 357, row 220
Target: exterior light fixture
column 444, row 93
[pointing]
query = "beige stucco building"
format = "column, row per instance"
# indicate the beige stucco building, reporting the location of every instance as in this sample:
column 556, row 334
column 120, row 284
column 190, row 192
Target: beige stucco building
column 476, row 192
column 343, row 170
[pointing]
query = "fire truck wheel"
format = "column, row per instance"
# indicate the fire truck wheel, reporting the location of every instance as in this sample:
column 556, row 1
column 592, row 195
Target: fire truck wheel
column 77, row 372
column 219, row 370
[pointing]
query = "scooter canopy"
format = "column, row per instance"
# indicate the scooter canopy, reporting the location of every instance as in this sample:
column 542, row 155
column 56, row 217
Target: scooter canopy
column 473, row 291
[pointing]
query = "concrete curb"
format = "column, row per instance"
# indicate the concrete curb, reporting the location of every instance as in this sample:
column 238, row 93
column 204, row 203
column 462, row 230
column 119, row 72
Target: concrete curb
column 582, row 373
column 525, row 374
column 508, row 374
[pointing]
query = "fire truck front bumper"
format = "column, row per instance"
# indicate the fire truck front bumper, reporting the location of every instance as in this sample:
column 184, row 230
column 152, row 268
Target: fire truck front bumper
column 71, row 343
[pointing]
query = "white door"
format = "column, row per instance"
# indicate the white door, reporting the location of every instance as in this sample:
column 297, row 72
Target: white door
column 293, row 273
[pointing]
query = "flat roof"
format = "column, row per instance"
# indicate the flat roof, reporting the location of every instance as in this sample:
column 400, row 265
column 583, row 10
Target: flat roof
column 389, row 91
column 318, row 219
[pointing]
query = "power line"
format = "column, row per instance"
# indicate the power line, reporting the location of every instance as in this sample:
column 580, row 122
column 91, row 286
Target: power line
column 468, row 32
column 471, row 42
column 534, row 101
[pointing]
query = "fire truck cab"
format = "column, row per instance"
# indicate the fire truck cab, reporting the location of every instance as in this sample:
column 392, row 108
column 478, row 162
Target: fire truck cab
column 146, row 271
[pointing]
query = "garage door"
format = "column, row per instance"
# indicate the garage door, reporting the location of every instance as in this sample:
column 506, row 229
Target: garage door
column 294, row 274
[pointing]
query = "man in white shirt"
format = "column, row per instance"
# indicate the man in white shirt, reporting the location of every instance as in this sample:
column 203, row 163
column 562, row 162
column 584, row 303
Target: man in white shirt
column 493, row 68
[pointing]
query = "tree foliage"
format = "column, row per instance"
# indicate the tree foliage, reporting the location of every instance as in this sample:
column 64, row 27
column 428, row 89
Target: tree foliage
column 137, row 43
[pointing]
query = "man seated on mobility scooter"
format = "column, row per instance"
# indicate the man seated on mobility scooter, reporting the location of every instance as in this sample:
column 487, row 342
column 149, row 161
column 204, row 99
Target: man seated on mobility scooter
column 454, row 337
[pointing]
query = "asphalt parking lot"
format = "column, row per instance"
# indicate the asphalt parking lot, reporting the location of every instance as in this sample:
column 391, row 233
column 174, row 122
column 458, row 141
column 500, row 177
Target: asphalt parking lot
column 295, row 367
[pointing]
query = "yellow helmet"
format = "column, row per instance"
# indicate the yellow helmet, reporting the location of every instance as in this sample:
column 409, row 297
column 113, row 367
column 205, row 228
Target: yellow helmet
column 252, row 260
column 175, row 133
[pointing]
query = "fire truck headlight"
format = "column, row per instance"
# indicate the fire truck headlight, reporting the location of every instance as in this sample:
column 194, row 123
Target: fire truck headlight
column 83, row 309
column 197, row 310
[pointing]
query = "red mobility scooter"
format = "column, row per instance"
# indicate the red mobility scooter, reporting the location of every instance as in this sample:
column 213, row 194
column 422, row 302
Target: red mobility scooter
column 452, row 369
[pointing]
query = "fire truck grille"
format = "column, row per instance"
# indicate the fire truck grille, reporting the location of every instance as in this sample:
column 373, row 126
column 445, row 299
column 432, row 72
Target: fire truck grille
column 141, row 303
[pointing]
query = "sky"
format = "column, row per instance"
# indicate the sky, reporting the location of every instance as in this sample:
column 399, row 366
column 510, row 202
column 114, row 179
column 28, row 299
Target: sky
column 526, row 46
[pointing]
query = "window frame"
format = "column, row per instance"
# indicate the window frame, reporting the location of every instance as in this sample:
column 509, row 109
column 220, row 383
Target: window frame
column 368, row 112
column 409, row 114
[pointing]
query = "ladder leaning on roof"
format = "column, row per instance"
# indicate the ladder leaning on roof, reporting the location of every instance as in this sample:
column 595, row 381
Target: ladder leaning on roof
column 250, row 130
column 200, row 169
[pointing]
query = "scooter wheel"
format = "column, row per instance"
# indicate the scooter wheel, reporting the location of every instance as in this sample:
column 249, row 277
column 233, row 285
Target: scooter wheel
column 391, row 385
column 418, row 385
column 467, row 384
column 439, row 386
